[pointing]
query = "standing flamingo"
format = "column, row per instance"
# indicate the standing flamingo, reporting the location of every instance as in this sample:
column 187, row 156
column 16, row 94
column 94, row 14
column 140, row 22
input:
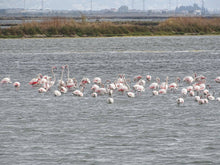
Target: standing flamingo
column 174, row 85
column 61, row 83
column 155, row 85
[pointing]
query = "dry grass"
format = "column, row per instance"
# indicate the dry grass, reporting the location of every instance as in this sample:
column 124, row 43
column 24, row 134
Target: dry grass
column 69, row 27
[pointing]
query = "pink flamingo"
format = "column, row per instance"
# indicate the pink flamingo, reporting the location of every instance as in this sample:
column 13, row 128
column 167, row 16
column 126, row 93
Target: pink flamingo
column 17, row 85
column 97, row 80
column 79, row 92
column 84, row 81
column 148, row 77
column 6, row 80
column 137, row 78
column 155, row 85
column 164, row 85
column 174, row 85
column 50, row 81
column 162, row 91
column 188, row 79
column 36, row 81
column 61, row 83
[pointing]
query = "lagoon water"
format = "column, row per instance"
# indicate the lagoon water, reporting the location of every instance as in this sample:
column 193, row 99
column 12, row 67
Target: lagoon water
column 42, row 129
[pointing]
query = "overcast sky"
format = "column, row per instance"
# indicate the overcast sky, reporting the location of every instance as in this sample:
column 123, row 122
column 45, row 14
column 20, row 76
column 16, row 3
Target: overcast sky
column 104, row 4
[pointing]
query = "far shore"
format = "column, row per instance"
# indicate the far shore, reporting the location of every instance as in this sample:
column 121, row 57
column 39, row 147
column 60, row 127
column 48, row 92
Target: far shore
column 66, row 28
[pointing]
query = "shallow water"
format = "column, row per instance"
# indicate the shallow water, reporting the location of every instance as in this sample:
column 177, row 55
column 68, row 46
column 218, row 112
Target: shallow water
column 43, row 129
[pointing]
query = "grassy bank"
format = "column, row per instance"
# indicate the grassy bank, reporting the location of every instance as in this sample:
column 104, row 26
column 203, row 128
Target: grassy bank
column 58, row 27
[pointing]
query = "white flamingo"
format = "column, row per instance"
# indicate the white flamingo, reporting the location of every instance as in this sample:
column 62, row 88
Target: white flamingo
column 180, row 100
column 155, row 85
column 94, row 94
column 57, row 93
column 188, row 79
column 110, row 100
column 155, row 93
column 148, row 77
column 6, row 80
column 131, row 94
column 217, row 79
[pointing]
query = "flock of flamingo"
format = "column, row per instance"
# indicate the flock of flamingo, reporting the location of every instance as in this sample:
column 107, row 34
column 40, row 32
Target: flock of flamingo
column 196, row 86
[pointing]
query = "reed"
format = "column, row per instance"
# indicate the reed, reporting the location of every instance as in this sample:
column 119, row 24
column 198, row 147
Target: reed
column 68, row 27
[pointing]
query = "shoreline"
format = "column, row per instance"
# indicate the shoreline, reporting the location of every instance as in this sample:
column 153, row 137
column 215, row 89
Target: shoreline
column 65, row 28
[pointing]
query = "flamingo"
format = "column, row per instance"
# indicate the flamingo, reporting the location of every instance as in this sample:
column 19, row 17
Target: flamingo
column 101, row 91
column 6, row 80
column 180, row 100
column 70, row 84
column 130, row 94
column 184, row 91
column 197, row 98
column 97, row 80
column 148, row 77
column 155, row 85
column 78, row 93
column 36, row 81
column 191, row 93
column 189, row 88
column 137, row 78
column 164, row 85
column 155, row 93
column 162, row 91
column 61, row 83
column 174, row 85
column 63, row 89
column 206, row 92
column 217, row 79
column 201, row 101
column 84, row 81
column 138, row 88
column 42, row 90
column 210, row 97
column 57, row 93
column 16, row 84
column 188, row 79
column 110, row 100
column 95, row 87
column 50, row 81
column 94, row 94
column 141, row 82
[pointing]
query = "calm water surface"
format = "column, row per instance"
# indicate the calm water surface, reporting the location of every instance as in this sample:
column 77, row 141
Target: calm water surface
column 43, row 129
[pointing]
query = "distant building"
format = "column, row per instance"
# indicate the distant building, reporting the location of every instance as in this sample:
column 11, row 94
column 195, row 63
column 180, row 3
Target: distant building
column 195, row 9
column 123, row 9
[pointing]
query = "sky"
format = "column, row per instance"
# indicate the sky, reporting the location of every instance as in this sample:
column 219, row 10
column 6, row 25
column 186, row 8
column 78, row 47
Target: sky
column 105, row 4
